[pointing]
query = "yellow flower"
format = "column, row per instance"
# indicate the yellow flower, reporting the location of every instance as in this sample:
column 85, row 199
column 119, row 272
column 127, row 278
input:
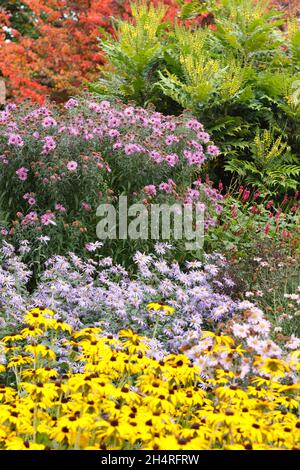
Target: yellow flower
column 63, row 433
column 17, row 443
column 90, row 333
column 134, row 343
column 41, row 311
column 39, row 374
column 31, row 332
column 61, row 326
column 117, row 397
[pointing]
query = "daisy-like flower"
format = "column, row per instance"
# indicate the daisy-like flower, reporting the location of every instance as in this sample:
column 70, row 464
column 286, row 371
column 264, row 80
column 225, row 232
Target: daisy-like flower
column 15, row 139
column 240, row 331
column 161, row 248
column 72, row 165
column 48, row 218
column 49, row 122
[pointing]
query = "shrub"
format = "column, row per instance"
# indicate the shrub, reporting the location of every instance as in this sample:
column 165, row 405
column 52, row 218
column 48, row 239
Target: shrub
column 135, row 57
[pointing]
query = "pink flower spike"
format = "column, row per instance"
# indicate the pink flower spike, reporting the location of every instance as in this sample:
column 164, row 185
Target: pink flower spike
column 246, row 195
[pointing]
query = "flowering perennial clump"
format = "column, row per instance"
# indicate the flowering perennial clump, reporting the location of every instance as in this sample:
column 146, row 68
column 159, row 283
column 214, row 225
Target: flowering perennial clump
column 114, row 395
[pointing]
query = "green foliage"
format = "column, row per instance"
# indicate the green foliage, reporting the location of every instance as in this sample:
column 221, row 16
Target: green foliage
column 248, row 29
column 272, row 166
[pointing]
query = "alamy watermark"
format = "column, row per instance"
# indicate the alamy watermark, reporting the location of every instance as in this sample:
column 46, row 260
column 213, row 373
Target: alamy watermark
column 155, row 221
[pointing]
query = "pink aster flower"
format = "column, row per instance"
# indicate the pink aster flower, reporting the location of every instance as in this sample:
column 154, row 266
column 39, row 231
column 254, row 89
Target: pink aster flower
column 113, row 133
column 117, row 146
column 167, row 187
column 194, row 125
column 132, row 148
column 10, row 107
column 128, row 112
column 71, row 103
column 213, row 150
column 170, row 139
column 49, row 144
column 172, row 159
column 203, row 136
column 104, row 105
column 156, row 156
column 113, row 122
column 30, row 218
column 59, row 207
column 86, row 207
column 4, row 116
column 31, row 201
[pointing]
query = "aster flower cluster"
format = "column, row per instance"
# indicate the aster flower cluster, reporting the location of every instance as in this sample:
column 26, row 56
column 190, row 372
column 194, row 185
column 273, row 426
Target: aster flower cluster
column 124, row 398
